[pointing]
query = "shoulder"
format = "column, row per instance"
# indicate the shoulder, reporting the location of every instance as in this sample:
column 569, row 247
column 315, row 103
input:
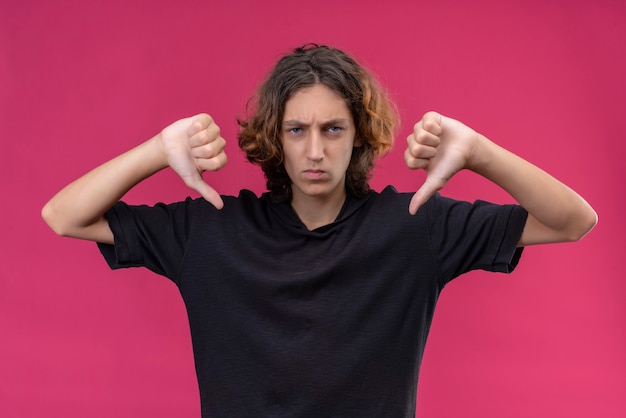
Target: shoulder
column 391, row 203
column 245, row 197
column 395, row 202
column 389, row 209
column 234, row 206
column 389, row 195
column 189, row 209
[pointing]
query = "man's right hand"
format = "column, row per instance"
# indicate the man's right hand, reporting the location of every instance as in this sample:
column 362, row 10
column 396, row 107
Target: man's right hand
column 194, row 145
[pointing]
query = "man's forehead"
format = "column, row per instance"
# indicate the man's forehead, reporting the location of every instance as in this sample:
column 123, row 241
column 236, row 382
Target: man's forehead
column 316, row 103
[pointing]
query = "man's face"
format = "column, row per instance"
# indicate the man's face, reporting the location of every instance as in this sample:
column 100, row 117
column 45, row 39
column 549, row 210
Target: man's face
column 318, row 136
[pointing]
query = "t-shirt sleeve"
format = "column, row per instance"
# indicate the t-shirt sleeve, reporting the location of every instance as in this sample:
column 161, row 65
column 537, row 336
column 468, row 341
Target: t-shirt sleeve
column 470, row 236
column 148, row 236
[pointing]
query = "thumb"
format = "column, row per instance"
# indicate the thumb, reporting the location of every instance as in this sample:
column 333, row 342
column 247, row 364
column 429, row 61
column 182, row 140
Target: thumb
column 197, row 183
column 431, row 186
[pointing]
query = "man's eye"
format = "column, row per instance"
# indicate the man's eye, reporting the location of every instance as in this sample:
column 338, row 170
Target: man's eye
column 295, row 130
column 335, row 129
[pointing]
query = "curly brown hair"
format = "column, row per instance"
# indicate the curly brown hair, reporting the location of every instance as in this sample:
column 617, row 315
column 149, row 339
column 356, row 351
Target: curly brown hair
column 373, row 113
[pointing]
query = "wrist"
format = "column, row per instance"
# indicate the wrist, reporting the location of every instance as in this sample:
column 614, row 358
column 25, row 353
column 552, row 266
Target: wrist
column 156, row 152
column 481, row 155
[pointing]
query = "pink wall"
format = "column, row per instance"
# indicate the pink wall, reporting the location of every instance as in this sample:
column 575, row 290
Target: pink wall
column 82, row 81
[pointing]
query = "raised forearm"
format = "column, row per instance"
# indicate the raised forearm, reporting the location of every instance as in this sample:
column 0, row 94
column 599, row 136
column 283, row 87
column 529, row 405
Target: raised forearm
column 78, row 209
column 556, row 212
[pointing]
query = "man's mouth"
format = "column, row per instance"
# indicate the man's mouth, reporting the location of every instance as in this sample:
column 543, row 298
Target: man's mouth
column 314, row 174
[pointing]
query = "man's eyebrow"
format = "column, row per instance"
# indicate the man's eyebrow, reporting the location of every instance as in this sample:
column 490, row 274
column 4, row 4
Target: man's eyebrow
column 339, row 121
column 295, row 122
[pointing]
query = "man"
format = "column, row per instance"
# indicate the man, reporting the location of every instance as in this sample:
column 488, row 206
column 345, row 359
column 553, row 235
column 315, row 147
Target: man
column 315, row 299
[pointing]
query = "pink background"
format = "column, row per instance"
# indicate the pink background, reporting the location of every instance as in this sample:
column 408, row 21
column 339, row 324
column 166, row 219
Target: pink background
column 81, row 81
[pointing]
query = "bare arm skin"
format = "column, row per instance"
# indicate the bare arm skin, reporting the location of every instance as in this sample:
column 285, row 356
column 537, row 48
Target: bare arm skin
column 189, row 146
column 443, row 146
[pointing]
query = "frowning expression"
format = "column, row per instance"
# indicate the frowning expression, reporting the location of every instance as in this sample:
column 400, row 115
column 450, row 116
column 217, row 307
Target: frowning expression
column 318, row 135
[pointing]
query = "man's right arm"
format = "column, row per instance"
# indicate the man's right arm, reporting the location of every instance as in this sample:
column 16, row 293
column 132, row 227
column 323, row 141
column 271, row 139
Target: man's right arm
column 189, row 146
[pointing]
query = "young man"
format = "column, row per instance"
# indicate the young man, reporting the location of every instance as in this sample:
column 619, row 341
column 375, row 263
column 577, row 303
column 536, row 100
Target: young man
column 315, row 299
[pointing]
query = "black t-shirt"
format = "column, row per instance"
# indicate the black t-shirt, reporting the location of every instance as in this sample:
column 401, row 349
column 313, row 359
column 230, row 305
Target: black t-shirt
column 287, row 322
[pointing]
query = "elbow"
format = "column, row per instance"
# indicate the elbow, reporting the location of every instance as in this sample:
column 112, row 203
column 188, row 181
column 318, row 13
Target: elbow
column 52, row 219
column 65, row 223
column 584, row 226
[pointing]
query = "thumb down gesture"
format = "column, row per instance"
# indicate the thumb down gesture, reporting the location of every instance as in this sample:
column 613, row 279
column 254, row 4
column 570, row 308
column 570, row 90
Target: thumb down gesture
column 194, row 145
column 442, row 147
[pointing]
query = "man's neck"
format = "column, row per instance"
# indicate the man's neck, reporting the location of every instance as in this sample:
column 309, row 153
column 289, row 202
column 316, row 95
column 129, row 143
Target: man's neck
column 316, row 212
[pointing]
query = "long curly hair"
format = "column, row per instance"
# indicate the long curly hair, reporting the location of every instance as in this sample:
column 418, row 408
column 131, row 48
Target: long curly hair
column 373, row 113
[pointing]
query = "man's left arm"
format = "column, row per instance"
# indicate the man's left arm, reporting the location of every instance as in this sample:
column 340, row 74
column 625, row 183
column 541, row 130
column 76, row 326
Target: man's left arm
column 443, row 146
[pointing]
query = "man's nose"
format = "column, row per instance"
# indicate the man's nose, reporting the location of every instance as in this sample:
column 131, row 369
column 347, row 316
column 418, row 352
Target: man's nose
column 315, row 146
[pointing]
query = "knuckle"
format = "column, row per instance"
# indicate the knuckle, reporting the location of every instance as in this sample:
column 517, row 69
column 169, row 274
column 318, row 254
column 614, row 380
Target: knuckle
column 415, row 149
column 202, row 136
column 214, row 130
column 213, row 165
column 421, row 136
column 430, row 125
column 207, row 152
column 430, row 115
column 410, row 161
